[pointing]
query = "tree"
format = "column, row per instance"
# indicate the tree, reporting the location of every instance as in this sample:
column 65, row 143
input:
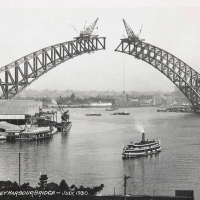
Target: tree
column 63, row 186
column 96, row 190
column 73, row 97
column 14, row 186
column 24, row 187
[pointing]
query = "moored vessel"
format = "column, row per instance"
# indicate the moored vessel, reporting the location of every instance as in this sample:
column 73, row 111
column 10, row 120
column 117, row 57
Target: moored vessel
column 35, row 133
column 93, row 114
column 112, row 108
column 2, row 137
column 121, row 113
column 145, row 147
column 64, row 126
column 54, row 130
column 161, row 110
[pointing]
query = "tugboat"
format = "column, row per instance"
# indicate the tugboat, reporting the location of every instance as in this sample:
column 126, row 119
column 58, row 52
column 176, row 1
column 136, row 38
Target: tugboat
column 143, row 148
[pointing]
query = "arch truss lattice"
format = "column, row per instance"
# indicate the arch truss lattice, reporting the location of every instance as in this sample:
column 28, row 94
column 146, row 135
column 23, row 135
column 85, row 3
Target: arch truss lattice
column 19, row 74
column 177, row 71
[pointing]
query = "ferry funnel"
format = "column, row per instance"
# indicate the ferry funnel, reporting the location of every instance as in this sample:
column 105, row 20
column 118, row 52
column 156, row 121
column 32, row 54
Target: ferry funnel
column 143, row 137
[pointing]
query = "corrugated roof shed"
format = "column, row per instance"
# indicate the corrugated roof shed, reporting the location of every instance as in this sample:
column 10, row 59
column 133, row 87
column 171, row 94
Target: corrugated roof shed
column 17, row 107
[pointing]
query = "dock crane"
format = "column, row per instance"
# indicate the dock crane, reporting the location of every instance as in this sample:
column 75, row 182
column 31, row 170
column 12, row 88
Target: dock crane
column 64, row 114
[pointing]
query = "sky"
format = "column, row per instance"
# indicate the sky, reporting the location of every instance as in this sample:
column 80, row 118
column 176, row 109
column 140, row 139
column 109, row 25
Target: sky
column 27, row 26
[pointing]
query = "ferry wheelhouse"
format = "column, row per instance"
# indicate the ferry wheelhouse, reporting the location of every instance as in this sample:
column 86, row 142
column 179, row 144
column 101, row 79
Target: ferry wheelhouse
column 145, row 147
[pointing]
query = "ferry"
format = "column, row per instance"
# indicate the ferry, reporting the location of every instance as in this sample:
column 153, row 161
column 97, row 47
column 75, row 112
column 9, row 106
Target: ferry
column 143, row 148
column 36, row 134
column 121, row 113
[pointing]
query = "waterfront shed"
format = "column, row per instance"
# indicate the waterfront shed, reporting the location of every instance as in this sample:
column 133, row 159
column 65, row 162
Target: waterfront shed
column 18, row 111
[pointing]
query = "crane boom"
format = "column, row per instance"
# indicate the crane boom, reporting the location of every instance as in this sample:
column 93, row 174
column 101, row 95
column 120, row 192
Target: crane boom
column 129, row 31
column 74, row 28
column 131, row 35
column 140, row 30
column 88, row 31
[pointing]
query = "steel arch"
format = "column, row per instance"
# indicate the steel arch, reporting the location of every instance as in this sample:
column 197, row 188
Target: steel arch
column 182, row 75
column 22, row 72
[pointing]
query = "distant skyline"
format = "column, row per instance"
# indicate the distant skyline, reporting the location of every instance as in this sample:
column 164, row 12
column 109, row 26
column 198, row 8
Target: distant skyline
column 83, row 94
column 51, row 90
column 28, row 26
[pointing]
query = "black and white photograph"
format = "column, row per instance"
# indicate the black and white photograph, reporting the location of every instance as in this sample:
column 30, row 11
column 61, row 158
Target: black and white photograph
column 100, row 100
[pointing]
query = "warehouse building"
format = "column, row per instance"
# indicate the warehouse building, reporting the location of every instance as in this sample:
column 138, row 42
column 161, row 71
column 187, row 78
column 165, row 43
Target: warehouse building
column 18, row 111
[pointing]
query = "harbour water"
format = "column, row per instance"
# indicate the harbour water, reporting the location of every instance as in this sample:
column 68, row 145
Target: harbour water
column 90, row 154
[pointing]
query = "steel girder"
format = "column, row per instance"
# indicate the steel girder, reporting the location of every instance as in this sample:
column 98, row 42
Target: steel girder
column 183, row 76
column 17, row 75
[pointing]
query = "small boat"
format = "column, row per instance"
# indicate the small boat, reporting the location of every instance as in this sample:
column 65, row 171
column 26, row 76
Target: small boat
column 112, row 108
column 121, row 113
column 93, row 114
column 143, row 148
column 54, row 130
column 181, row 110
column 66, row 128
column 2, row 137
column 161, row 110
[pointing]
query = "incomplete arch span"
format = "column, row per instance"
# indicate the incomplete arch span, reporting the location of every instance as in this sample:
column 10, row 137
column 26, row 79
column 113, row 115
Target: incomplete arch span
column 177, row 71
column 17, row 75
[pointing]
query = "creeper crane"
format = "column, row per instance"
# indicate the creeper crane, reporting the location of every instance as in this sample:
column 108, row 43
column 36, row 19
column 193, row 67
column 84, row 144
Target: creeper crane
column 131, row 35
column 87, row 32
